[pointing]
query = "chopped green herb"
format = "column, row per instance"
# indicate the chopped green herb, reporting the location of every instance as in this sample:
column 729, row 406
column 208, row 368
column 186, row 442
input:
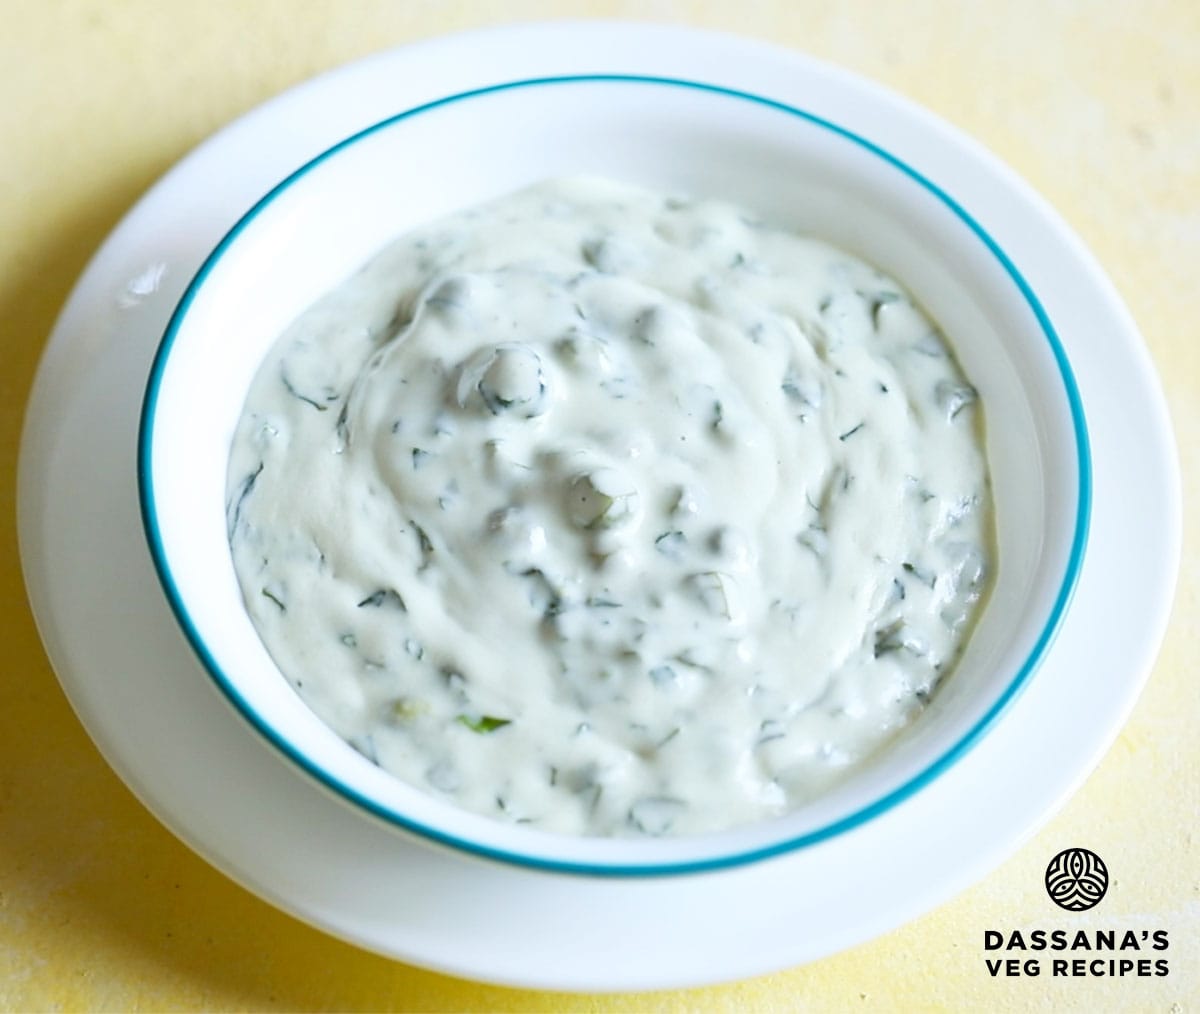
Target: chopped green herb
column 672, row 545
column 342, row 427
column 245, row 490
column 596, row 602
column 877, row 301
column 544, row 595
column 302, row 397
column 384, row 597
column 900, row 636
column 797, row 388
column 925, row 577
column 424, row 544
column 484, row 723
column 816, row 540
column 770, row 730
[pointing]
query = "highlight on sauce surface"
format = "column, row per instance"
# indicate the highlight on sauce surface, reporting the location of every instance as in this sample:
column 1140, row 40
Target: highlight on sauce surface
column 613, row 513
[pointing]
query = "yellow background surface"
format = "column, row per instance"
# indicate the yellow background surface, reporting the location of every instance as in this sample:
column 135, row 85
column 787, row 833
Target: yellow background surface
column 1096, row 104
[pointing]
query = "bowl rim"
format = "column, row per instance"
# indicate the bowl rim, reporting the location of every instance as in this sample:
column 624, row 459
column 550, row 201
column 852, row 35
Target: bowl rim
column 926, row 776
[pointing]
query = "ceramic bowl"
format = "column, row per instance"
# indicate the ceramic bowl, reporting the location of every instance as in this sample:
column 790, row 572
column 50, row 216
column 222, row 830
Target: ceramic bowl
column 327, row 218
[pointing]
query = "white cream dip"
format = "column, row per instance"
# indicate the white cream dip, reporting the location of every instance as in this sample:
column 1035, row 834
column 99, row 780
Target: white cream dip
column 612, row 513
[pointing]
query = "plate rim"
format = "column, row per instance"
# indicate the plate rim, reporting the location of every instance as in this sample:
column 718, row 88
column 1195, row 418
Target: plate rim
column 473, row 955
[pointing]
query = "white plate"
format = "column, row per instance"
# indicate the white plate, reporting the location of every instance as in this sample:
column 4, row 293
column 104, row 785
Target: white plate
column 199, row 767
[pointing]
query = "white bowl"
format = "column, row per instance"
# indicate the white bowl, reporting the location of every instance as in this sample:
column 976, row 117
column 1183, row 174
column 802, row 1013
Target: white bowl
column 322, row 222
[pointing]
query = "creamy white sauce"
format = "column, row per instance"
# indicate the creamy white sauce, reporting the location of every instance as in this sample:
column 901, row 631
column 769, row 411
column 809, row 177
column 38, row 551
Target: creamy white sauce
column 612, row 513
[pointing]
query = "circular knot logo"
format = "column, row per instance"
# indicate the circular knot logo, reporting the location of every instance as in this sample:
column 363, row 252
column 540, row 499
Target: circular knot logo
column 1076, row 879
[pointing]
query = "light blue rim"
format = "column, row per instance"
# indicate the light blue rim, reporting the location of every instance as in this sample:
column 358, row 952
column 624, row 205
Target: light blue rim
column 853, row 820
